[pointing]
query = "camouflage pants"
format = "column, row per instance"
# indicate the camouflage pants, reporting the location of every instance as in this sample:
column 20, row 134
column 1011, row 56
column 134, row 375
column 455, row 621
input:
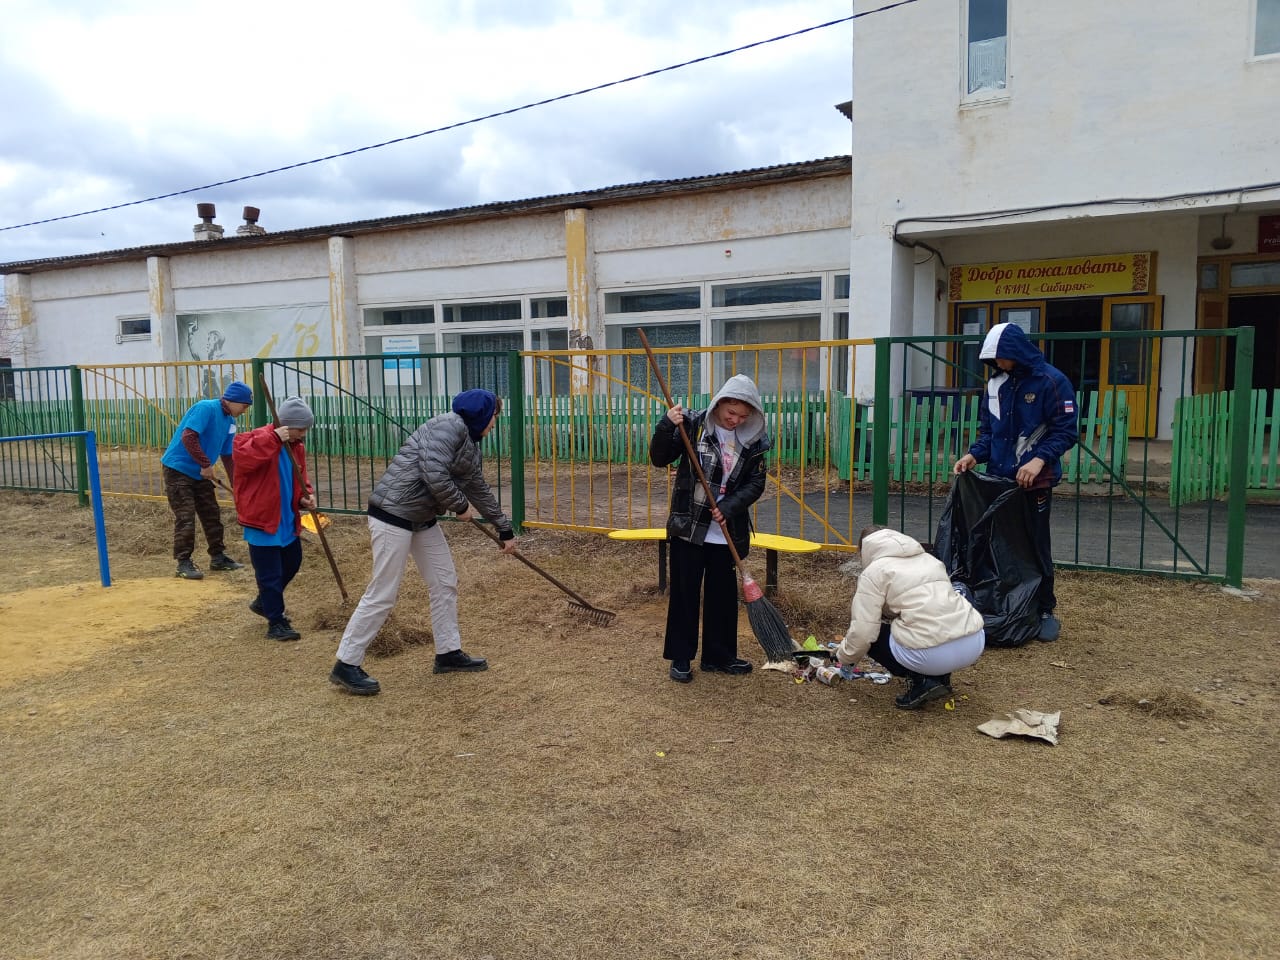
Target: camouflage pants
column 191, row 497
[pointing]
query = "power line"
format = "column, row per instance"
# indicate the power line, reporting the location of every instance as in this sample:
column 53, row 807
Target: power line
column 462, row 123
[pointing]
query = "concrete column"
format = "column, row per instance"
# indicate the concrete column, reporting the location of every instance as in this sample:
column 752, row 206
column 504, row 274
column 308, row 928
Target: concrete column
column 586, row 325
column 17, row 335
column 881, row 298
column 344, row 305
column 164, row 315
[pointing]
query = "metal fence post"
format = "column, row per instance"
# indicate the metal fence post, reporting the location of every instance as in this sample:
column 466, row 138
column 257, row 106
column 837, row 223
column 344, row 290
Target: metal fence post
column 515, row 380
column 880, row 424
column 78, row 425
column 1237, row 491
column 259, row 398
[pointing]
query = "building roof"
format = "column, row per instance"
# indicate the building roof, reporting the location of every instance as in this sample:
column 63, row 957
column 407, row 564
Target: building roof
column 606, row 196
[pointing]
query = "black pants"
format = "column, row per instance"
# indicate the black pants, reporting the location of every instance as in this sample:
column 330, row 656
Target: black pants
column 703, row 577
column 1042, row 502
column 191, row 497
column 274, row 568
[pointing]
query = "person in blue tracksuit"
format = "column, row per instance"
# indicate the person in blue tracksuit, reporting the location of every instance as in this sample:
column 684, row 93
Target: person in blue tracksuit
column 1027, row 422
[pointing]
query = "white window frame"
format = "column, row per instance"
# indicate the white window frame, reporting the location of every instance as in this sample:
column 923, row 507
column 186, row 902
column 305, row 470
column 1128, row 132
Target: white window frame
column 1253, row 36
column 985, row 95
column 122, row 337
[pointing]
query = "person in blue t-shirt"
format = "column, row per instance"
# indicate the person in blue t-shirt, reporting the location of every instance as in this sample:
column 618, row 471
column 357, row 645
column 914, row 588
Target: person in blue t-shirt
column 205, row 434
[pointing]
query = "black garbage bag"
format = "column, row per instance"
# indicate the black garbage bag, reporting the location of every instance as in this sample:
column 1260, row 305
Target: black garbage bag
column 984, row 540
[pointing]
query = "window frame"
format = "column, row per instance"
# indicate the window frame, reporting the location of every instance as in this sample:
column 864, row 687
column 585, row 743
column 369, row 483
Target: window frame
column 122, row 337
column 1255, row 13
column 985, row 96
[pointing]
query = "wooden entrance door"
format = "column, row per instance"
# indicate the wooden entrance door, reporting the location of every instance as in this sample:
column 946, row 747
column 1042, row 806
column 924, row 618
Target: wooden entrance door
column 1132, row 365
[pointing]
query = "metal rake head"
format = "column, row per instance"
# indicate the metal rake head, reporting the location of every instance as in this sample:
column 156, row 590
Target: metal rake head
column 601, row 618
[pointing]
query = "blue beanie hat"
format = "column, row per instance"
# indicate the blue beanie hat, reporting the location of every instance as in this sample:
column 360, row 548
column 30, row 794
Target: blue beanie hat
column 476, row 408
column 237, row 392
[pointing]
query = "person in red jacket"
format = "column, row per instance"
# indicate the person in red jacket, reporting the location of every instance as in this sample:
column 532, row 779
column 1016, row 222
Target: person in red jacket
column 269, row 504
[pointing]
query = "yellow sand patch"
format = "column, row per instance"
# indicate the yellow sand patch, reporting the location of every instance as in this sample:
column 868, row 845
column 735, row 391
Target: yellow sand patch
column 46, row 629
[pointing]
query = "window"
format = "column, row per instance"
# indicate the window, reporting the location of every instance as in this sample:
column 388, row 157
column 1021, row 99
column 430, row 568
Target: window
column 1266, row 28
column 767, row 291
column 842, row 286
column 678, row 298
column 779, row 370
column 1208, row 276
column 841, row 357
column 551, row 376
column 8, row 385
column 133, row 328
column 1265, row 273
column 488, row 373
column 549, row 307
column 401, row 316
column 986, row 48
column 483, row 313
column 683, row 371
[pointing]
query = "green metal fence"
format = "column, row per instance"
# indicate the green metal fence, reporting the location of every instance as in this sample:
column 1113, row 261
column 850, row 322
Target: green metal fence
column 1202, row 443
column 844, row 455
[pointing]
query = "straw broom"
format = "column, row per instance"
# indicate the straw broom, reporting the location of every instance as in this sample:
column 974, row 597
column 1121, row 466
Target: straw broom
column 766, row 621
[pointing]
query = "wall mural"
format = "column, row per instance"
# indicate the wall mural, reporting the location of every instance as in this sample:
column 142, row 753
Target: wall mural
column 300, row 331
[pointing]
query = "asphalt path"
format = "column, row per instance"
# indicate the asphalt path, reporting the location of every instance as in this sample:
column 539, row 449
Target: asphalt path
column 1096, row 531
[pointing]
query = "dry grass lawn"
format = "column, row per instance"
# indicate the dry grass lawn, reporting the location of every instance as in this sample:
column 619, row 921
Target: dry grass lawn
column 177, row 786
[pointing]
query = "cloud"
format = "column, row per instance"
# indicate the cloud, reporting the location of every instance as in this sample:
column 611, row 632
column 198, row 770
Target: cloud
column 136, row 99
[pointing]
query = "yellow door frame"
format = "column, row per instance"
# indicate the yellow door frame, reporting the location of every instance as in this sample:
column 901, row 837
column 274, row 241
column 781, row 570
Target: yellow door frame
column 1142, row 397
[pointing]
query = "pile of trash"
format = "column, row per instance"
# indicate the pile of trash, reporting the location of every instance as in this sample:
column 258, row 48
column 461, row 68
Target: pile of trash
column 822, row 666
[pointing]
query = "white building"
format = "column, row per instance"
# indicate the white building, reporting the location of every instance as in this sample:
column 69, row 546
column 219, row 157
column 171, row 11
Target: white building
column 1083, row 166
column 747, row 257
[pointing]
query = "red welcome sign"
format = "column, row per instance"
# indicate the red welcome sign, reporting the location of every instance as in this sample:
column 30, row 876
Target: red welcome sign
column 1269, row 234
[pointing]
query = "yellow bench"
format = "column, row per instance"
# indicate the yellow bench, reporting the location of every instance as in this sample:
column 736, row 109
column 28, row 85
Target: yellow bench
column 771, row 543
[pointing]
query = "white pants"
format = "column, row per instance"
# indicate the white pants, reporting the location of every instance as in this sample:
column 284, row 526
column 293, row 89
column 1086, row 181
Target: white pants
column 944, row 658
column 392, row 547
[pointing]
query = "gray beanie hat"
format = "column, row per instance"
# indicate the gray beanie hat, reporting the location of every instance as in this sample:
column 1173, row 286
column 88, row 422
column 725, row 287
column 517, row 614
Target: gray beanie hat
column 294, row 412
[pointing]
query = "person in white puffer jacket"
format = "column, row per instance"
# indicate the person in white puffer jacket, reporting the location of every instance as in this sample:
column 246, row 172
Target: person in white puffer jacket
column 909, row 617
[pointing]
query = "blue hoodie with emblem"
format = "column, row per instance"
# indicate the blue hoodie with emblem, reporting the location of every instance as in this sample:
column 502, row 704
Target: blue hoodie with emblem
column 1026, row 413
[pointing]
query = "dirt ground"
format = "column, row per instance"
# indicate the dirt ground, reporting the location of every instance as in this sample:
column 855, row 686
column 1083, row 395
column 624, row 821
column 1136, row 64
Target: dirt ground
column 177, row 786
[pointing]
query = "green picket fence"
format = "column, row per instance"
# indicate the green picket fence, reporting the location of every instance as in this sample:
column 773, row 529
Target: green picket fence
column 1202, row 445
column 931, row 432
column 617, row 428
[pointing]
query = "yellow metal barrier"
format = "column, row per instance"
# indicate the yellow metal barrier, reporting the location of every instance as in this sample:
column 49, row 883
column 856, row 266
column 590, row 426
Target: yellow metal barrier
column 134, row 410
column 591, row 414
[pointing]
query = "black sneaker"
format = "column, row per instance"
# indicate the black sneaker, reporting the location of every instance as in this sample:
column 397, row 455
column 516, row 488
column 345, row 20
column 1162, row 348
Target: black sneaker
column 1050, row 628
column 922, row 690
column 457, row 660
column 681, row 671
column 353, row 679
column 282, row 630
column 255, row 606
column 187, row 570
column 222, row 562
column 736, row 667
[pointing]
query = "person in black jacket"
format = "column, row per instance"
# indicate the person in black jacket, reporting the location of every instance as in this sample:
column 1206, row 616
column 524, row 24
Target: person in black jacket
column 437, row 470
column 1027, row 421
column 730, row 440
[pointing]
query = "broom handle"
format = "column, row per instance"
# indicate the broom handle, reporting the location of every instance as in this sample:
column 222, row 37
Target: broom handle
column 693, row 457
column 529, row 563
column 297, row 474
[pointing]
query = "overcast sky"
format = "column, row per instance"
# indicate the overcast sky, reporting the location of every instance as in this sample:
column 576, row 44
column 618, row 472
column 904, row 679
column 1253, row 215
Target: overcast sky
column 110, row 101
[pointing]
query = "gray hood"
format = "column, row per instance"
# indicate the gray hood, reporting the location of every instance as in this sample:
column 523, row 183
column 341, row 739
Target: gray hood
column 741, row 387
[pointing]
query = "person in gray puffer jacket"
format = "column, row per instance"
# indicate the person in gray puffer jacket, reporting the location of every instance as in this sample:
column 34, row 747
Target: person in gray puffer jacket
column 438, row 470
column 730, row 440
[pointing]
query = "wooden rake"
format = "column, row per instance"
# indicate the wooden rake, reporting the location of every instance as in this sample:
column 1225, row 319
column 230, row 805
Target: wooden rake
column 579, row 606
